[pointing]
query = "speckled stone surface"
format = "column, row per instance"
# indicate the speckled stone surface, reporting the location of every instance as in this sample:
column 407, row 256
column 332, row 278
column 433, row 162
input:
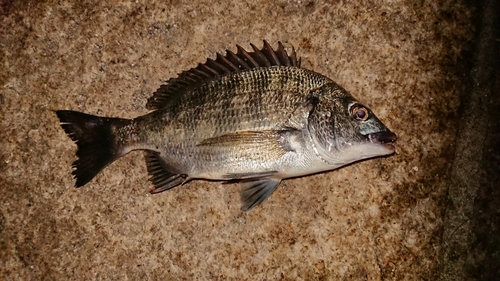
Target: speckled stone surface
column 380, row 219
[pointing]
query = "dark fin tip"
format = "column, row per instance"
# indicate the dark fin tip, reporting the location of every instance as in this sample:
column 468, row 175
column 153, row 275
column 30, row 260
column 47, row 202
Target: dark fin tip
column 95, row 140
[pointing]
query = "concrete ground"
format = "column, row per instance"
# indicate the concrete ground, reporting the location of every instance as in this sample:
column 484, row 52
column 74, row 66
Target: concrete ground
column 427, row 68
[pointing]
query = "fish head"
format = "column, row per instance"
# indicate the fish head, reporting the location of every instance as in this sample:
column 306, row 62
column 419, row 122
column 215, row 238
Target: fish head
column 343, row 130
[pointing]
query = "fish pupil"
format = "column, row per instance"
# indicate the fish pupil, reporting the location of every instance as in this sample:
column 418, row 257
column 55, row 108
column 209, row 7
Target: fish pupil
column 360, row 114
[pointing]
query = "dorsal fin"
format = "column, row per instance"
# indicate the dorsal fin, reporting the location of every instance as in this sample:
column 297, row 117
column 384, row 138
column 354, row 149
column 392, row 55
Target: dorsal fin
column 229, row 63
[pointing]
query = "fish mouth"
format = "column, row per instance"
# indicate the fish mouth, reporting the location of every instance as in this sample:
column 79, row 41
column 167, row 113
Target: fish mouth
column 386, row 139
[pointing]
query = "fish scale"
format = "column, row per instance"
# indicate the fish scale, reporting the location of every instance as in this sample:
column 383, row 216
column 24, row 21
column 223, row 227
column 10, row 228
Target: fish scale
column 256, row 117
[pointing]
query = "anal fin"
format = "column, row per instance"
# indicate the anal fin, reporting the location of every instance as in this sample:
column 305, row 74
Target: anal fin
column 162, row 175
column 255, row 191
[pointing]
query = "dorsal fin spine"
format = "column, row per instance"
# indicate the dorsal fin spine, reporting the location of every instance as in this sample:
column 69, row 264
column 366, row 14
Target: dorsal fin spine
column 221, row 59
column 212, row 72
column 217, row 66
column 260, row 57
column 270, row 54
column 200, row 72
column 283, row 57
column 237, row 60
column 246, row 57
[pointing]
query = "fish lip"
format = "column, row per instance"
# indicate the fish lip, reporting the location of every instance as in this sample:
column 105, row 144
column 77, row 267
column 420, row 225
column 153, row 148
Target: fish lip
column 385, row 138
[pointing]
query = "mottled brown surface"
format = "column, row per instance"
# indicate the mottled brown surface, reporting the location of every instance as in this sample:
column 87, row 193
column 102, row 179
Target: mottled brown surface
column 381, row 219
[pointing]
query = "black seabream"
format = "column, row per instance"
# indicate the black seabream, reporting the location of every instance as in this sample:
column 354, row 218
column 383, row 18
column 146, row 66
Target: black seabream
column 254, row 117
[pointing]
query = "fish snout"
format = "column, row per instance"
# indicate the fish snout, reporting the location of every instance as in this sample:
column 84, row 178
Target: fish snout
column 385, row 138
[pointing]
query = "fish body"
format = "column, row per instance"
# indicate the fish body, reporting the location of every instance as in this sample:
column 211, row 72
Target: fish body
column 255, row 117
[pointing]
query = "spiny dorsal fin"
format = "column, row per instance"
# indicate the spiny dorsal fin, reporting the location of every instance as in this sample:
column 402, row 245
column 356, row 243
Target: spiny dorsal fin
column 229, row 63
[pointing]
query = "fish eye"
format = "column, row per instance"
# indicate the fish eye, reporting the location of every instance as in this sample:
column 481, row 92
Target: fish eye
column 359, row 113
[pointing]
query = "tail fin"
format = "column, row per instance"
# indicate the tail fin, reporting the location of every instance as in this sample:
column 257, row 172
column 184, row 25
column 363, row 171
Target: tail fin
column 95, row 138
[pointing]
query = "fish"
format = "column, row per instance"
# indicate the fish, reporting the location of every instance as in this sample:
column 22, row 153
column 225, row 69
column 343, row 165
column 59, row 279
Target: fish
column 254, row 117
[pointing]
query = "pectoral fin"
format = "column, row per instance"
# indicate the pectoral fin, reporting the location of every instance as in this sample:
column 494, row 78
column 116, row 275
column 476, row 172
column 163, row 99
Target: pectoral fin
column 253, row 145
column 256, row 191
column 162, row 175
column 255, row 138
